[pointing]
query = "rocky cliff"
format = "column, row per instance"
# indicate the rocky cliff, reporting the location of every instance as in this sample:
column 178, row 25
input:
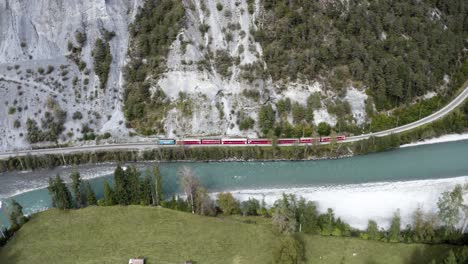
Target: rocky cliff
column 40, row 74
column 213, row 69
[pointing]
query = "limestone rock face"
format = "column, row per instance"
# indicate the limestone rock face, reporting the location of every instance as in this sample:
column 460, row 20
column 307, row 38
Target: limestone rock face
column 34, row 38
column 46, row 68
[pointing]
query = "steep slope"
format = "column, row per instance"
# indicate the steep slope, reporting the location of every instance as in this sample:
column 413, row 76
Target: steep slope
column 257, row 68
column 40, row 73
column 104, row 69
column 216, row 81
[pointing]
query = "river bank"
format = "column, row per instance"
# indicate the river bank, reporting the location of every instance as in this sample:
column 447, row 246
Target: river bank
column 441, row 139
column 360, row 180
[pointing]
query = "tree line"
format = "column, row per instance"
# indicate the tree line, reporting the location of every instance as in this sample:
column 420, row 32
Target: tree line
column 290, row 215
column 129, row 188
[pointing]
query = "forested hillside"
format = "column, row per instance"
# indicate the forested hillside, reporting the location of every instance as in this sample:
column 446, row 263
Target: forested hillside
column 399, row 49
column 243, row 68
column 281, row 68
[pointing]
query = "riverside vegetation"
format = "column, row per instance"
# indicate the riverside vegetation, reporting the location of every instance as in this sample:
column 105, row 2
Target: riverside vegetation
column 456, row 122
column 291, row 218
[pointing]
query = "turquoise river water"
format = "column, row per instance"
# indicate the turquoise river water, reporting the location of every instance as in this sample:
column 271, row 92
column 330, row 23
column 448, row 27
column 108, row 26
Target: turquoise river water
column 379, row 174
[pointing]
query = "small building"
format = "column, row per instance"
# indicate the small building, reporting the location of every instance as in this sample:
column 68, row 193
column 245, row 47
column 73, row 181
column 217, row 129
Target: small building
column 136, row 261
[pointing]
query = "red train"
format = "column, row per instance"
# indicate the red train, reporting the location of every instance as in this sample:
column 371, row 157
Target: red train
column 247, row 141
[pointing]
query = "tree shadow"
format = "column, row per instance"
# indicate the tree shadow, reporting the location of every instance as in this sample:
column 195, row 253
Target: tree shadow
column 428, row 253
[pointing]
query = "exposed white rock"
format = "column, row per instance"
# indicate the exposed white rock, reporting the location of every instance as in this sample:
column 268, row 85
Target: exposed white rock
column 322, row 115
column 217, row 99
column 300, row 92
column 429, row 95
column 357, row 101
column 35, row 34
column 383, row 35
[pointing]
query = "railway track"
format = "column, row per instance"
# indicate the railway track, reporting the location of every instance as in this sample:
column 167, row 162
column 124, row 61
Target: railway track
column 152, row 145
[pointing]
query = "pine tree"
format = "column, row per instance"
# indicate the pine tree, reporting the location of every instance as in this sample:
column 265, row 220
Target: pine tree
column 109, row 195
column 133, row 185
column 76, row 189
column 146, row 190
column 418, row 225
column 16, row 216
column 120, row 187
column 394, row 231
column 373, row 230
column 159, row 195
column 285, row 216
column 61, row 196
column 90, row 195
column 52, row 191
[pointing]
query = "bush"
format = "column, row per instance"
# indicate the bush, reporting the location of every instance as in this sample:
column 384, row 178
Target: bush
column 77, row 115
column 246, row 123
column 298, row 113
column 219, row 6
column 250, row 207
column 50, row 69
column 323, row 129
column 11, row 110
column 227, row 203
column 204, row 28
column 80, row 38
column 284, row 107
column 252, row 94
column 223, row 62
column 288, row 250
column 314, row 101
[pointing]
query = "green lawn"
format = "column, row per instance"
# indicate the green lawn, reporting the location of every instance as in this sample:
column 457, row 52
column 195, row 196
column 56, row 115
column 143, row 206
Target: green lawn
column 114, row 234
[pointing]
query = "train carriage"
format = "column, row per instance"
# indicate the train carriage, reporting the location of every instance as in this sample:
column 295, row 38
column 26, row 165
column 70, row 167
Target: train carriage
column 282, row 141
column 307, row 140
column 259, row 141
column 189, row 142
column 211, row 141
column 234, row 141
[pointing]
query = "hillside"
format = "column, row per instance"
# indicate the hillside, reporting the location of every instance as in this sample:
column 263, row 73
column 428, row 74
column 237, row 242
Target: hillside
column 47, row 71
column 114, row 234
column 108, row 70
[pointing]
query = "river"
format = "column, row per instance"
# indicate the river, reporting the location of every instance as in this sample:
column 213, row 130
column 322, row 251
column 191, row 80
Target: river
column 357, row 188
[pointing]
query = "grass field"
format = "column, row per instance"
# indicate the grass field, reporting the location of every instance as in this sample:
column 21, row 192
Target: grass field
column 114, row 234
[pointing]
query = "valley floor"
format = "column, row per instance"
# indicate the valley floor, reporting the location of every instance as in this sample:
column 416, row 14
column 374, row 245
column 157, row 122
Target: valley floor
column 115, row 234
